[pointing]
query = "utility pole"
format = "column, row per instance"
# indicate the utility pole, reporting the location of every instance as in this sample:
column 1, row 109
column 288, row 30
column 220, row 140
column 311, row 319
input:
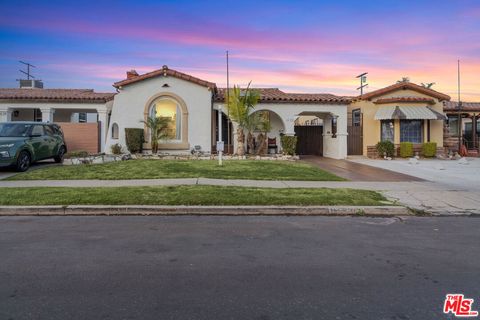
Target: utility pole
column 459, row 107
column 363, row 82
column 228, row 109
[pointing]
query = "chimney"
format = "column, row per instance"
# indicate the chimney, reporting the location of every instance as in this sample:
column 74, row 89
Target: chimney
column 131, row 74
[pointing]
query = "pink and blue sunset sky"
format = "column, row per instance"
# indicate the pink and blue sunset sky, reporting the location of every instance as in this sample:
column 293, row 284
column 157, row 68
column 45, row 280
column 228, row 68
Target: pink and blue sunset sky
column 298, row 46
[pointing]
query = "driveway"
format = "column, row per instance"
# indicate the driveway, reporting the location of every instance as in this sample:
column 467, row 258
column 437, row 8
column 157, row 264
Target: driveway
column 8, row 172
column 265, row 268
column 357, row 171
column 450, row 186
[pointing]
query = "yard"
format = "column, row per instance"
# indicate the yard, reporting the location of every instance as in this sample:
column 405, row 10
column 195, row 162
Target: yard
column 188, row 195
column 163, row 169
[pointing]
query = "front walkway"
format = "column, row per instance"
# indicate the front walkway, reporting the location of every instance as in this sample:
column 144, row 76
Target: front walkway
column 420, row 195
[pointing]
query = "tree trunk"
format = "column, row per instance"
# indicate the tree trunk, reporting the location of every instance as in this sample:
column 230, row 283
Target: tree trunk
column 250, row 144
column 240, row 142
column 262, row 144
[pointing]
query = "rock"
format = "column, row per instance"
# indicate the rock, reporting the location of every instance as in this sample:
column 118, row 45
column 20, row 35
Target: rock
column 412, row 161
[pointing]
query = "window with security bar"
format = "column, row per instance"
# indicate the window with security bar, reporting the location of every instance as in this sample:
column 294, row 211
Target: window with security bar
column 411, row 131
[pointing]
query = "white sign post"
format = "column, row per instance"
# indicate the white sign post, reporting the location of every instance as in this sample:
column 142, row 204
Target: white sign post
column 220, row 140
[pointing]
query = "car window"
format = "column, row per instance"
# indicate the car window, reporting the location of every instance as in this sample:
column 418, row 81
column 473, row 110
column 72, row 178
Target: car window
column 49, row 131
column 37, row 130
column 14, row 129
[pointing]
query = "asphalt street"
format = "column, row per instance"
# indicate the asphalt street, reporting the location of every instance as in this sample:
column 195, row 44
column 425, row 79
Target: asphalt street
column 261, row 268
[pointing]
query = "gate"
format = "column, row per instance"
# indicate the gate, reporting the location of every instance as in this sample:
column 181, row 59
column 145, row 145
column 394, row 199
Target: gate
column 309, row 140
column 354, row 140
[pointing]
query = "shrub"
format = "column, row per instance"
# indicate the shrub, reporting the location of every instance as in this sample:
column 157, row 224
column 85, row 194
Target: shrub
column 429, row 149
column 116, row 148
column 385, row 148
column 406, row 149
column 289, row 144
column 77, row 154
column 134, row 138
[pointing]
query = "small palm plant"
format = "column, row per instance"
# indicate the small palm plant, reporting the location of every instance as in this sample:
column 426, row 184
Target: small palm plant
column 265, row 127
column 158, row 127
column 240, row 104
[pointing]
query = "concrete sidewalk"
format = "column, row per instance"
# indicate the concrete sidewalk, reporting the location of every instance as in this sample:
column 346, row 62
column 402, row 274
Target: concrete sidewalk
column 431, row 197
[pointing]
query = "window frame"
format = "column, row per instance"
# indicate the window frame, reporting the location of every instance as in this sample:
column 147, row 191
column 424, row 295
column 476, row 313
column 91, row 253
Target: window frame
column 421, row 130
column 389, row 121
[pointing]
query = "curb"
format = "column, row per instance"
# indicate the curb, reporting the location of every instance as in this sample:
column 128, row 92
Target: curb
column 105, row 210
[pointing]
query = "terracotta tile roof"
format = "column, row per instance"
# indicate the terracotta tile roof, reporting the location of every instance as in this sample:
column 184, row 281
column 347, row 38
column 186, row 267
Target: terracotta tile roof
column 56, row 95
column 275, row 95
column 466, row 106
column 405, row 99
column 404, row 85
column 165, row 71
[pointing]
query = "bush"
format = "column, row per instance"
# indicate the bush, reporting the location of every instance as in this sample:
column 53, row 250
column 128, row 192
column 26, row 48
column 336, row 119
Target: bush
column 385, row 148
column 116, row 148
column 406, row 149
column 77, row 154
column 429, row 149
column 289, row 144
column 134, row 138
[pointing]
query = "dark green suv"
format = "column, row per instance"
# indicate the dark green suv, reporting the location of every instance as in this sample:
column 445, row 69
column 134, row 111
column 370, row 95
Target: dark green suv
column 22, row 143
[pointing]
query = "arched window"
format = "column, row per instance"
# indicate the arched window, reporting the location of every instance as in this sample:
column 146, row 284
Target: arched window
column 167, row 108
column 114, row 131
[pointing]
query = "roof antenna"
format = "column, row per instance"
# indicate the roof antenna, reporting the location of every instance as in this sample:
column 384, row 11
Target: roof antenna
column 363, row 82
column 28, row 70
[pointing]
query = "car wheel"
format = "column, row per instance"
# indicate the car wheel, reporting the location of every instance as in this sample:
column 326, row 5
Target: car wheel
column 61, row 153
column 23, row 161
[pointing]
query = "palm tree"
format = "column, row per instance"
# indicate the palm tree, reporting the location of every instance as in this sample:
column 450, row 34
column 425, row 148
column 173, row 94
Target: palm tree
column 240, row 103
column 404, row 79
column 158, row 130
column 265, row 127
column 428, row 85
column 254, row 121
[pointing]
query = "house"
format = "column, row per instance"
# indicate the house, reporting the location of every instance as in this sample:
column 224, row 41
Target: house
column 325, row 124
column 193, row 105
column 403, row 112
column 82, row 113
column 469, row 112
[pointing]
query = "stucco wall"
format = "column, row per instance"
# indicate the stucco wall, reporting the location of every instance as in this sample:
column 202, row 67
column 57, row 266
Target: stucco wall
column 371, row 127
column 130, row 103
column 332, row 147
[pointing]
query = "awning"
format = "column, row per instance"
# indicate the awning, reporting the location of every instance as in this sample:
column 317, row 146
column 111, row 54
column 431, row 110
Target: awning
column 408, row 112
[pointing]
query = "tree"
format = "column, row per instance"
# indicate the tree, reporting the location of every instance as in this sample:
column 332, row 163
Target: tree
column 404, row 79
column 158, row 130
column 265, row 127
column 240, row 104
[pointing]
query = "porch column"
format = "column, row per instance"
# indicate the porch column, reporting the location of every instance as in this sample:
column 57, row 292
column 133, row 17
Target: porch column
column 5, row 114
column 102, row 119
column 47, row 114
column 474, row 130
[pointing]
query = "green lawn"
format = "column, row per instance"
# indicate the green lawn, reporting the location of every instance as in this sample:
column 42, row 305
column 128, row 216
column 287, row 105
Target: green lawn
column 188, row 195
column 161, row 169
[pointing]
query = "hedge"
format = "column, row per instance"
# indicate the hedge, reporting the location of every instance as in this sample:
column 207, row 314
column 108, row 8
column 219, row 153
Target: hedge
column 406, row 149
column 134, row 138
column 429, row 149
column 289, row 144
column 385, row 148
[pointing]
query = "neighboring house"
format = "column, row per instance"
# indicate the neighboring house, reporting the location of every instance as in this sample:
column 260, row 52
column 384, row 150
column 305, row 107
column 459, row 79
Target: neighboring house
column 325, row 124
column 470, row 115
column 82, row 113
column 403, row 112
